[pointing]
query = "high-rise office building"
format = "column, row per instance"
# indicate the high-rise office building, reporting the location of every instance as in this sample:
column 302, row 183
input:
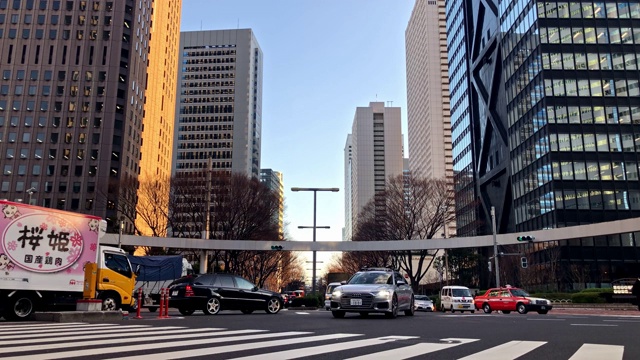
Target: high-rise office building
column 428, row 120
column 554, row 98
column 274, row 181
column 376, row 153
column 219, row 110
column 428, row 106
column 159, row 117
column 72, row 101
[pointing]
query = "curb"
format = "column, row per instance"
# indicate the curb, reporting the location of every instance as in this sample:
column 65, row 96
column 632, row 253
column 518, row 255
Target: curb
column 80, row 316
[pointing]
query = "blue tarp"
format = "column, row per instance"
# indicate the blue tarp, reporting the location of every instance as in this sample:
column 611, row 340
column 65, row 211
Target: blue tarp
column 157, row 268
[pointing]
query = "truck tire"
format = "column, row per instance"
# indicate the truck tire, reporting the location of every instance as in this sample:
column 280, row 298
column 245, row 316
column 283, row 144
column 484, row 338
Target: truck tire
column 21, row 306
column 110, row 301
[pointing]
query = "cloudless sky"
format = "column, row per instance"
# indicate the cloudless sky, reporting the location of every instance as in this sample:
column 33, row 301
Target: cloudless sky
column 322, row 59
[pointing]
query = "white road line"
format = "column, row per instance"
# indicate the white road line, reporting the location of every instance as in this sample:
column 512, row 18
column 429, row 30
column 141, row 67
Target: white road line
column 38, row 325
column 323, row 349
column 110, row 341
column 149, row 347
column 40, row 331
column 529, row 319
column 598, row 352
column 181, row 354
column 416, row 350
column 624, row 321
column 593, row 325
column 506, row 351
column 302, row 313
column 100, row 334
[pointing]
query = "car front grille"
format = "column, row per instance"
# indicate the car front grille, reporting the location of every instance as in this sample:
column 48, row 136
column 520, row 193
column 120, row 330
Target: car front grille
column 345, row 301
column 541, row 302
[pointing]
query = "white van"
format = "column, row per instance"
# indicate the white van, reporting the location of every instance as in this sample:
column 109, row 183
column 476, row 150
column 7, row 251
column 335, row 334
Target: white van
column 456, row 298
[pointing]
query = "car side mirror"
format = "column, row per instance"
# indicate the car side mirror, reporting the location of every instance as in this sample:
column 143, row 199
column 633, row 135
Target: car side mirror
column 255, row 288
column 138, row 268
column 343, row 282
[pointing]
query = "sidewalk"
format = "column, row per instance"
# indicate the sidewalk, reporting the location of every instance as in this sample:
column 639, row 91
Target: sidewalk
column 597, row 309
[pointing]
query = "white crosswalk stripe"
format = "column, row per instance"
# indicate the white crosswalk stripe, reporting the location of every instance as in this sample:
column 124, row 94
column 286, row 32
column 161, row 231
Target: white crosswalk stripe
column 116, row 341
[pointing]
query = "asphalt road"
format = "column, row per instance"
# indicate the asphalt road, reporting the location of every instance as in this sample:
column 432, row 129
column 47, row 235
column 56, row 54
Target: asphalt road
column 317, row 335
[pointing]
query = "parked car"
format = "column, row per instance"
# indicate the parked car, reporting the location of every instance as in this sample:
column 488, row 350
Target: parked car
column 212, row 293
column 510, row 299
column 327, row 294
column 423, row 303
column 373, row 290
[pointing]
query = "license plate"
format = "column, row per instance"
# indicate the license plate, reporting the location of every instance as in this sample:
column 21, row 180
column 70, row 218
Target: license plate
column 356, row 302
column 542, row 307
column 462, row 306
column 174, row 293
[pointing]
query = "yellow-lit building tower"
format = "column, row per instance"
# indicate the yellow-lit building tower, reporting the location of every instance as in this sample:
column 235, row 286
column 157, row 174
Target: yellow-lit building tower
column 158, row 121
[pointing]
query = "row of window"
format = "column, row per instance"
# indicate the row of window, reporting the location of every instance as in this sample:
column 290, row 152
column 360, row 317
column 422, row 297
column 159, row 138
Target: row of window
column 205, row 136
column 54, row 19
column 206, row 77
column 83, row 122
column 203, row 155
column 589, row 35
column 12, row 137
column 72, row 106
column 591, row 87
column 53, row 34
column 55, row 5
column 589, row 10
column 207, row 53
column 8, row 169
column 48, row 75
column 208, row 92
column 203, row 128
column 53, row 154
column 215, row 99
column 590, row 61
column 207, row 145
column 593, row 142
column 580, row 199
column 203, row 165
column 593, row 114
column 208, row 84
column 45, row 90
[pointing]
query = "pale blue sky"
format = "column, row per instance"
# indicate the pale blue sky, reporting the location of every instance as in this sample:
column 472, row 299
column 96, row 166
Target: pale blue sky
column 322, row 59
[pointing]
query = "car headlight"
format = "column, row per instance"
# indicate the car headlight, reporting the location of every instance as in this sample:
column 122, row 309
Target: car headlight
column 383, row 294
column 336, row 293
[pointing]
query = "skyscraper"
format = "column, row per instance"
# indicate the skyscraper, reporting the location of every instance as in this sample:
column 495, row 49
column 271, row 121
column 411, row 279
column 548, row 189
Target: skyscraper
column 376, row 153
column 554, row 100
column 219, row 111
column 274, row 181
column 428, row 119
column 72, row 102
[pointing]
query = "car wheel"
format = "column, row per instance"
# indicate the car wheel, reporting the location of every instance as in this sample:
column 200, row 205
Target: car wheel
column 246, row 311
column 506, row 311
column 110, row 301
column 20, row 308
column 186, row 312
column 411, row 310
column 486, row 308
column 451, row 309
column 338, row 314
column 521, row 308
column 473, row 311
column 394, row 308
column 212, row 306
column 442, row 308
column 542, row 312
column 273, row 306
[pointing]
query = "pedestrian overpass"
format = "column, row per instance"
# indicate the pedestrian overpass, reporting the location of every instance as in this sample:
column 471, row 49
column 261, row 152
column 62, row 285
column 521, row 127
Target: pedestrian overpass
column 574, row 232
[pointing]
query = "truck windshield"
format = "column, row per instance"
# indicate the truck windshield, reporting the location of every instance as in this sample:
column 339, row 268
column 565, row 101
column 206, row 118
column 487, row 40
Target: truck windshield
column 118, row 263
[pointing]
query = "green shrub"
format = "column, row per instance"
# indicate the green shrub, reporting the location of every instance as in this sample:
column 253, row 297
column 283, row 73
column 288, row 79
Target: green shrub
column 587, row 297
column 553, row 296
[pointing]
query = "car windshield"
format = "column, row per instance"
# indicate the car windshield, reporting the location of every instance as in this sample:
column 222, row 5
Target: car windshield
column 519, row 292
column 421, row 297
column 461, row 292
column 370, row 278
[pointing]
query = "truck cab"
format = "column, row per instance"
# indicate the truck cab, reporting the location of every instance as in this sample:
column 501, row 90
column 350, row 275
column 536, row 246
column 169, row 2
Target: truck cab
column 115, row 279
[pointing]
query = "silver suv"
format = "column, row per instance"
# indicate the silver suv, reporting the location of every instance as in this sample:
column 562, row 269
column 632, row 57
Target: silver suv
column 373, row 290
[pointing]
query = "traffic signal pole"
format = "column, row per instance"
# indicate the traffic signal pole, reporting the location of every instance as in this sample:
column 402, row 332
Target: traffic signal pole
column 495, row 245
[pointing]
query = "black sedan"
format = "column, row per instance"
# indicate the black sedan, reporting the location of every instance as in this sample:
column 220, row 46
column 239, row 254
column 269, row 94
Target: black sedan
column 214, row 292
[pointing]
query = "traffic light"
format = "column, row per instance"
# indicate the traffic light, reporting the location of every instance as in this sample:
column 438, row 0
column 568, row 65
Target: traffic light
column 276, row 247
column 523, row 262
column 526, row 238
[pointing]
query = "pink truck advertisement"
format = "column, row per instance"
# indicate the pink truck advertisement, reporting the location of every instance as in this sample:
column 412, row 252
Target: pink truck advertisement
column 45, row 249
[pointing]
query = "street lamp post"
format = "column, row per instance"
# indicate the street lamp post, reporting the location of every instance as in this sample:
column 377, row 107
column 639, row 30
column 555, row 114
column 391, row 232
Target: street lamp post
column 30, row 191
column 121, row 226
column 314, row 227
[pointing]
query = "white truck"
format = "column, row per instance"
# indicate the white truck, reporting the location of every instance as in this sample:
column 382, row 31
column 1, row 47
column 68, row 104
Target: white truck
column 43, row 255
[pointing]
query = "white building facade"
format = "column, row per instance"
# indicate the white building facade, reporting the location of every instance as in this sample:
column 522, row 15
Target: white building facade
column 376, row 153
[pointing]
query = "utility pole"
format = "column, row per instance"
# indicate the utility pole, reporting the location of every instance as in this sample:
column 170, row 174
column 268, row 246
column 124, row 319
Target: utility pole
column 495, row 245
column 207, row 200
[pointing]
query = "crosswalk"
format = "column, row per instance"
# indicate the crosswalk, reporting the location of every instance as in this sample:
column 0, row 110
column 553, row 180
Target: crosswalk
column 40, row 341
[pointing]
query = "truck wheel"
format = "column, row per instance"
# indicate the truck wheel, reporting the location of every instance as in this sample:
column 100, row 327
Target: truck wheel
column 20, row 307
column 110, row 301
